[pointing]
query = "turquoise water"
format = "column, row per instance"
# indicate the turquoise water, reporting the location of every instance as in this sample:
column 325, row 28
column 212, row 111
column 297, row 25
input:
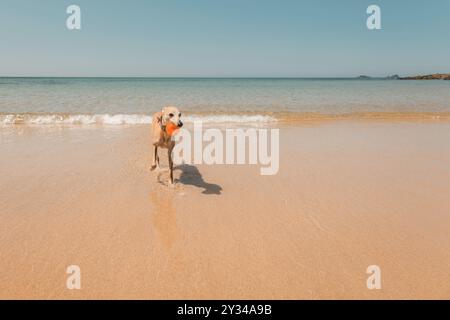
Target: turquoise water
column 143, row 96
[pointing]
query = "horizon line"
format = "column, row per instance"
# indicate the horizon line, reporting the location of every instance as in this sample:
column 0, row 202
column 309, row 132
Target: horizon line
column 206, row 77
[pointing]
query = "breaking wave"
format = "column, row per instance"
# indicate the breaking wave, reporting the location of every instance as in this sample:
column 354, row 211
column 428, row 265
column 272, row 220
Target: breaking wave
column 213, row 118
column 120, row 119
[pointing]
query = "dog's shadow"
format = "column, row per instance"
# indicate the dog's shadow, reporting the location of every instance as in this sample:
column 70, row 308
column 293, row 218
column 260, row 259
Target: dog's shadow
column 191, row 176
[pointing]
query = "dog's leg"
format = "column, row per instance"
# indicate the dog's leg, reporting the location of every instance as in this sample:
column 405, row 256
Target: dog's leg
column 170, row 167
column 155, row 161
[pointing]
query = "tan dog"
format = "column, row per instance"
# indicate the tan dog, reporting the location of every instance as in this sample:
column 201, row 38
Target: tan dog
column 161, row 137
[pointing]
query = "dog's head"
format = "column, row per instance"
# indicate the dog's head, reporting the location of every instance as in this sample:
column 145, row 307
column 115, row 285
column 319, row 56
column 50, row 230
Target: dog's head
column 171, row 114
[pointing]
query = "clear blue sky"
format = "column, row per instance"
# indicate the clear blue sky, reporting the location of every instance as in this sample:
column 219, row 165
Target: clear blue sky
column 256, row 38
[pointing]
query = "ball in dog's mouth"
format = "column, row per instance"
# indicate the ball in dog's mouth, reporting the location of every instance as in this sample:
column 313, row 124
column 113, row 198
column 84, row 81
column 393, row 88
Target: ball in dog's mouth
column 172, row 128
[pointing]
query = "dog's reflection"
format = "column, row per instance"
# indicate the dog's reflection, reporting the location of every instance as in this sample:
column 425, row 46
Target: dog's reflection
column 164, row 217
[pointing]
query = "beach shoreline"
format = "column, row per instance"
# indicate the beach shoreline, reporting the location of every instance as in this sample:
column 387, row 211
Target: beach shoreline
column 349, row 194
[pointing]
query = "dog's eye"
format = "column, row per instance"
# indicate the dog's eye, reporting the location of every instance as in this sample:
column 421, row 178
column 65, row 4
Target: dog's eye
column 171, row 115
column 179, row 115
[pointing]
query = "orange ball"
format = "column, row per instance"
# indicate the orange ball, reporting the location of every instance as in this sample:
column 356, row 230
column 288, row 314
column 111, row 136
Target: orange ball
column 171, row 128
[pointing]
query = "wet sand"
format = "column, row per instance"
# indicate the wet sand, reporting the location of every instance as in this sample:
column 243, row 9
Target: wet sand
column 349, row 194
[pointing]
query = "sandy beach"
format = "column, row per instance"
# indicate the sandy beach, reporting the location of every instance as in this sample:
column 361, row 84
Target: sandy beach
column 348, row 194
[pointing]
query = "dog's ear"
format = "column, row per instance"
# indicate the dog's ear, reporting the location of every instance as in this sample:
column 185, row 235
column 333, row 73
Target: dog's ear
column 163, row 119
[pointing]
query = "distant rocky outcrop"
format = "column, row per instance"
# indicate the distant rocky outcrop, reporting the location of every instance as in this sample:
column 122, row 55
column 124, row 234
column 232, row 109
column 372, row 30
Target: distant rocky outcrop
column 435, row 76
column 393, row 77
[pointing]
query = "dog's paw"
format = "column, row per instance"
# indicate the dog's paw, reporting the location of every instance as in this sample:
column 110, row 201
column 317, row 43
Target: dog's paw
column 155, row 167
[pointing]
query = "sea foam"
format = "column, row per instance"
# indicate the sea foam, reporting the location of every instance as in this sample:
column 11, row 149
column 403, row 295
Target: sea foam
column 120, row 119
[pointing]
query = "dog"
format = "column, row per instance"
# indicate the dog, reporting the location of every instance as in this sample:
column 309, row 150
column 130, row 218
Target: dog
column 162, row 137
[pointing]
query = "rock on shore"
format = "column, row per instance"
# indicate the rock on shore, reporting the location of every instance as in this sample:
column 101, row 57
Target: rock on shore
column 435, row 76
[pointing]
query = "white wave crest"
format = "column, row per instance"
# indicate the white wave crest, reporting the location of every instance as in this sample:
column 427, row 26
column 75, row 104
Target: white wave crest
column 230, row 118
column 121, row 119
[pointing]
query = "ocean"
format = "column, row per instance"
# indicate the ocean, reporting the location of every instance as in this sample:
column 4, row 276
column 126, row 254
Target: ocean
column 133, row 100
